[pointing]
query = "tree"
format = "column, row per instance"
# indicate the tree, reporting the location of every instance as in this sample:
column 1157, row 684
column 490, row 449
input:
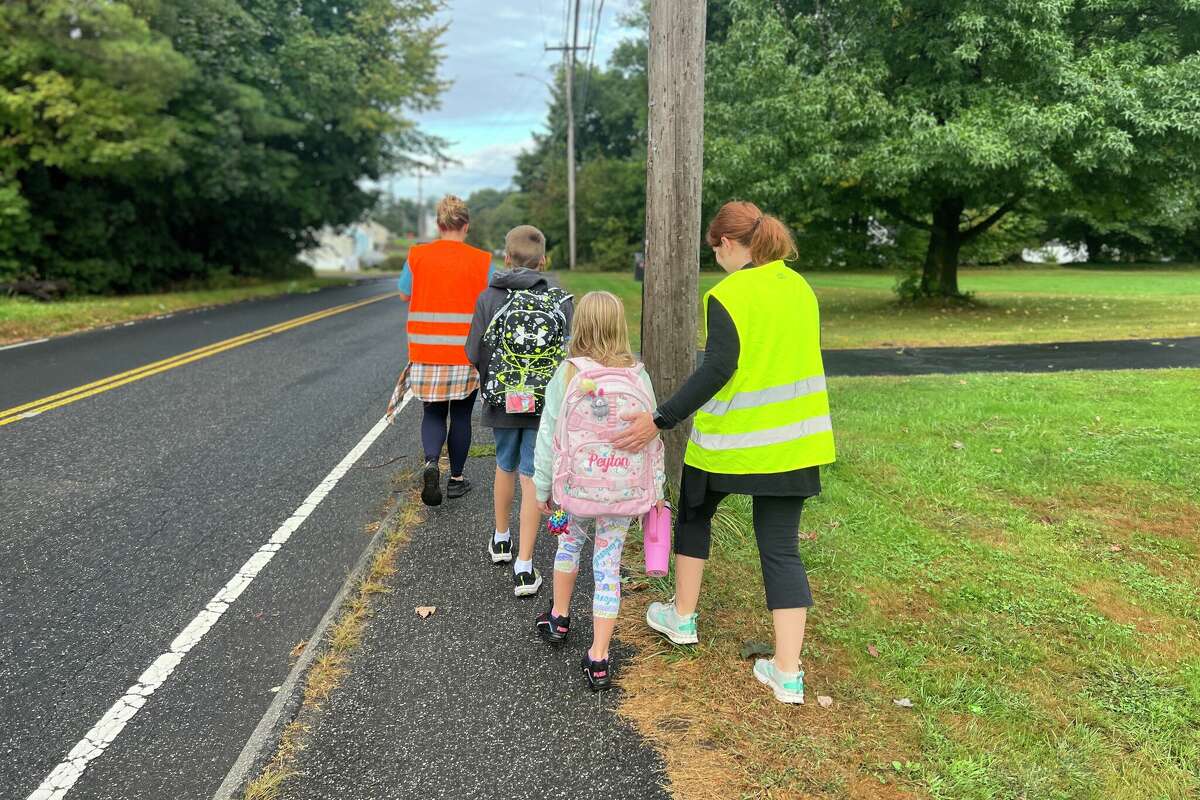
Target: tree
column 947, row 115
column 611, row 144
column 159, row 141
column 83, row 88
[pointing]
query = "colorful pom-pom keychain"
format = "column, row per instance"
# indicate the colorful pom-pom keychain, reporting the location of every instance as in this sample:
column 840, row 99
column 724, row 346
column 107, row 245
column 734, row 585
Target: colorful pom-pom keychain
column 558, row 522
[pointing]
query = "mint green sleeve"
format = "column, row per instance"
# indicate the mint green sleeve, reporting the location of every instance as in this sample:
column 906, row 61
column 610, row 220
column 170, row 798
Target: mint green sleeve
column 543, row 454
column 660, row 477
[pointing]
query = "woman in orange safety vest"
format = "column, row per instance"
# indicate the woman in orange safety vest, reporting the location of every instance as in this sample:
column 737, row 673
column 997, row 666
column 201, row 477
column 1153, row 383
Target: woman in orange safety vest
column 441, row 282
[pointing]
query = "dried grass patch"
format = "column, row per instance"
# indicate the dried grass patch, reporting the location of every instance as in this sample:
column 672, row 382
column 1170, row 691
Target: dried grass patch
column 722, row 735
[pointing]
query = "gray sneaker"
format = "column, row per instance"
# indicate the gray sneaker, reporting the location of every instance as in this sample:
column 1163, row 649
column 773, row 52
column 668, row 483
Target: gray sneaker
column 788, row 688
column 663, row 618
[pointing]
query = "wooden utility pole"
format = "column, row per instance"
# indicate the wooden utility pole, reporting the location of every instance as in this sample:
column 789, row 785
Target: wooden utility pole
column 569, row 60
column 674, row 162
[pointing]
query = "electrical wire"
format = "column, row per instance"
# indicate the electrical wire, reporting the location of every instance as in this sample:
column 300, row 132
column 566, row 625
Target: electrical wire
column 594, row 38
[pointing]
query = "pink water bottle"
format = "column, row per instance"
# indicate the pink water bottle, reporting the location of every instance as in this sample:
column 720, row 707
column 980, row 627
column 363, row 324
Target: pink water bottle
column 656, row 528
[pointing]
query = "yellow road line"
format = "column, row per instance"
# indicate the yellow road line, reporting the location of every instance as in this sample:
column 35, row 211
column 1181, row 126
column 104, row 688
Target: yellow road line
column 63, row 398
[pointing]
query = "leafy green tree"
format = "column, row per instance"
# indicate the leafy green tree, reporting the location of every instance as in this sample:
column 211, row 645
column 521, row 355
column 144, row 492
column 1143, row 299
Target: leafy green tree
column 83, row 88
column 611, row 149
column 947, row 115
column 160, row 141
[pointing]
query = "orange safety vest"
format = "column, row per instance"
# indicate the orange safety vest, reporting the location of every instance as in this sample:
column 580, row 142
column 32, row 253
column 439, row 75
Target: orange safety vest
column 448, row 278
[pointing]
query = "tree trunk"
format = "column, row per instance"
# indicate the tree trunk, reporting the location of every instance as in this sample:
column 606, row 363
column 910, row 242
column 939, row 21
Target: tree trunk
column 939, row 278
column 674, row 158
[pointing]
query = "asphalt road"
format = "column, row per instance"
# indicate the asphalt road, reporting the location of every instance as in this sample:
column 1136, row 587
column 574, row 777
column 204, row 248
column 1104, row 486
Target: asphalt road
column 122, row 514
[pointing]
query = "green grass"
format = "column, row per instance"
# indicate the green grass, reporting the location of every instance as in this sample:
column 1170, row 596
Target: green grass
column 1012, row 305
column 1024, row 554
column 22, row 318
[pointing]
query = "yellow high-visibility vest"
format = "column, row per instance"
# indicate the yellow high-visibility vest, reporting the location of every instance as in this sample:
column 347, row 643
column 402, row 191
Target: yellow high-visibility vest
column 773, row 415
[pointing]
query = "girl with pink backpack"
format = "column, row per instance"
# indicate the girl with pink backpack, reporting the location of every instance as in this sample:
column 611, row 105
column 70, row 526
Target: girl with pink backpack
column 576, row 464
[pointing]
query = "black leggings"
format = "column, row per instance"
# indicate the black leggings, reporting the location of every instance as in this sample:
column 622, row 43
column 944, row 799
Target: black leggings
column 777, row 529
column 434, row 433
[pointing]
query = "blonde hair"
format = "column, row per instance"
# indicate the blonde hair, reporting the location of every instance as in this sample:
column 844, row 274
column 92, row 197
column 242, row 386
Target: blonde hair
column 598, row 331
column 452, row 213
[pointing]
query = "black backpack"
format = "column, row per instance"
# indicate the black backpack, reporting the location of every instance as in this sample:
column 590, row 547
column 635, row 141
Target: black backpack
column 527, row 339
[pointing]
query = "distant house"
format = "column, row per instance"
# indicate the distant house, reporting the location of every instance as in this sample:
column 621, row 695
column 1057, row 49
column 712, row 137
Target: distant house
column 349, row 249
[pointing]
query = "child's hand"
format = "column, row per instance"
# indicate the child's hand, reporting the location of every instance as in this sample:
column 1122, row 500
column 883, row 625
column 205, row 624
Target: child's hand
column 544, row 507
column 660, row 505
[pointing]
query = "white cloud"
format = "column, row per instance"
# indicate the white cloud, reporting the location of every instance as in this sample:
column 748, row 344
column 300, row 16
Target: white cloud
column 490, row 113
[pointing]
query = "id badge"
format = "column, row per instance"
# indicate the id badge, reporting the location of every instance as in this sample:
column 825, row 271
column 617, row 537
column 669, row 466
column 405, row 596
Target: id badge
column 520, row 401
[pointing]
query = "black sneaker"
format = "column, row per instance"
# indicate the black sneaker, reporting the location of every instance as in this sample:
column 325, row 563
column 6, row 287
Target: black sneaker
column 456, row 488
column 500, row 551
column 431, row 489
column 551, row 628
column 526, row 584
column 598, row 674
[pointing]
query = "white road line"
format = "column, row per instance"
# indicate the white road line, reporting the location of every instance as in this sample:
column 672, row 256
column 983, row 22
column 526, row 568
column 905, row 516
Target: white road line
column 103, row 733
column 23, row 344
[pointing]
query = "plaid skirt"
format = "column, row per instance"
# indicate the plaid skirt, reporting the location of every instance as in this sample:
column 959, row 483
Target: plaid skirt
column 433, row 383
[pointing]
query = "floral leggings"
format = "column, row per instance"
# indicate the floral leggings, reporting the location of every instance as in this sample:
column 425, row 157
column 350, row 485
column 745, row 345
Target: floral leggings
column 606, row 559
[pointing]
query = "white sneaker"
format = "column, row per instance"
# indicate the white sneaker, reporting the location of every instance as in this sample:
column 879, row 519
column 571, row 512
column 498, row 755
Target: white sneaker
column 788, row 688
column 663, row 618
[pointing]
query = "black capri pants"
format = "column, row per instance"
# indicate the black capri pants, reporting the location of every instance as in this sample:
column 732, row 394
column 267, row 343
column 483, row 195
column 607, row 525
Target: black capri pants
column 777, row 529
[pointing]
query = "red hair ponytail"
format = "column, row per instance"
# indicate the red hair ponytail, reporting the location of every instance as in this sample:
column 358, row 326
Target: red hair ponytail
column 743, row 222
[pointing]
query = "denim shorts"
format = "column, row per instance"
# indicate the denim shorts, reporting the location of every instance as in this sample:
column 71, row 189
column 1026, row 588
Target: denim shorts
column 515, row 445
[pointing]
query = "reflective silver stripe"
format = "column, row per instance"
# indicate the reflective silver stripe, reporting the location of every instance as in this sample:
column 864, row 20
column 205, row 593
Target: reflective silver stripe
column 763, row 397
column 768, row 436
column 425, row 338
column 429, row 316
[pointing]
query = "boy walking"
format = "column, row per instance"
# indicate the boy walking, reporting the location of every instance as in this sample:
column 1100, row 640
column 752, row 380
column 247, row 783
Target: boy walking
column 517, row 340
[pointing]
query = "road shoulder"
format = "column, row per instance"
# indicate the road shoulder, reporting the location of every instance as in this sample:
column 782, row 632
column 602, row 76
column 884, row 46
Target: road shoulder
column 469, row 702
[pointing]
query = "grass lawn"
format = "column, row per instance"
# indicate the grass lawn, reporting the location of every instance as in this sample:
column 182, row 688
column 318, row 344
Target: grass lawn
column 1023, row 555
column 22, row 318
column 1013, row 305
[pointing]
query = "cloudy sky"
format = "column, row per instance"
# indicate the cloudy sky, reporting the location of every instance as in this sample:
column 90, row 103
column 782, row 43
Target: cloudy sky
column 490, row 113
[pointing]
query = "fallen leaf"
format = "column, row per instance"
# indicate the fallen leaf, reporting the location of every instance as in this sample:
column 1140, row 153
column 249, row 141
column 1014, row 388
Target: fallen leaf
column 997, row 449
column 835, row 523
column 298, row 649
column 873, row 650
column 824, row 700
column 1097, row 419
column 808, row 536
column 1115, row 548
column 424, row 611
column 903, row 702
column 958, row 445
column 751, row 649
column 638, row 586
column 962, row 383
column 275, row 689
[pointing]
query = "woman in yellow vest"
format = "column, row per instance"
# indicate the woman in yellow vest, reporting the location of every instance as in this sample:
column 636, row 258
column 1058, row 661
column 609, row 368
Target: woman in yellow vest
column 442, row 280
column 761, row 428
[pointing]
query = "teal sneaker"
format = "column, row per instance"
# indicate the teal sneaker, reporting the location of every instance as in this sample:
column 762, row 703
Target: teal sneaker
column 663, row 618
column 788, row 687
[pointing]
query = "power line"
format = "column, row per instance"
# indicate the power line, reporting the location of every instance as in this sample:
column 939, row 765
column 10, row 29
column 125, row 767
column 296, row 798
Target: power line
column 587, row 76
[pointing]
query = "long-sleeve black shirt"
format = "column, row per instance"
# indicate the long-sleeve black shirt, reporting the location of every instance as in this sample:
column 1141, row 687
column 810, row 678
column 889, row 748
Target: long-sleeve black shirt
column 720, row 362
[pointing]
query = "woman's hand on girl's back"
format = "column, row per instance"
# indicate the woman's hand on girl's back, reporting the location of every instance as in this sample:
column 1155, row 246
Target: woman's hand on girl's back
column 641, row 432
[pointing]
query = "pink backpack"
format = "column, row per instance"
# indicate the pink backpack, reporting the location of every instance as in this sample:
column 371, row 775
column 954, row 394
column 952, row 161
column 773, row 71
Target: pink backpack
column 591, row 477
